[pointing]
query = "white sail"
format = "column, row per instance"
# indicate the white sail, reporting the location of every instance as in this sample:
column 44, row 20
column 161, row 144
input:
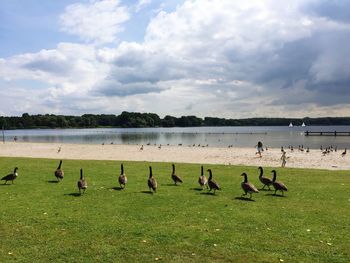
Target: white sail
column 303, row 125
column 290, row 124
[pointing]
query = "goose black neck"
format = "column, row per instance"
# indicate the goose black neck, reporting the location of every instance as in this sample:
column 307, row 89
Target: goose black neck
column 261, row 171
column 150, row 172
column 121, row 169
column 59, row 166
column 274, row 176
column 15, row 170
column 210, row 174
column 202, row 173
column 245, row 178
column 81, row 174
column 173, row 168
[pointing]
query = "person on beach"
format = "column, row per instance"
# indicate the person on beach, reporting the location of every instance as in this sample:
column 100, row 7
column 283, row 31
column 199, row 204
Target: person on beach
column 284, row 159
column 259, row 148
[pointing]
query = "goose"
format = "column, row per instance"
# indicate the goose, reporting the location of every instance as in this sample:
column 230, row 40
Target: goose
column 248, row 187
column 279, row 186
column 82, row 183
column 343, row 153
column 264, row 180
column 59, row 172
column 175, row 178
column 202, row 180
column 152, row 183
column 122, row 177
column 10, row 177
column 211, row 183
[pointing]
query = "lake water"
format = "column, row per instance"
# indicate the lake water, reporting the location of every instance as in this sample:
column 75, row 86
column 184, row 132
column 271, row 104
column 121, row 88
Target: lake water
column 271, row 136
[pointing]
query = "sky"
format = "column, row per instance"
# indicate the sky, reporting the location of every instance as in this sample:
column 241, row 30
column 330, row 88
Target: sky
column 218, row 58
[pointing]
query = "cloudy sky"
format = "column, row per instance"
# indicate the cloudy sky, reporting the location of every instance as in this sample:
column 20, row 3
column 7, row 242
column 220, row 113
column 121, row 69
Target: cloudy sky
column 226, row 58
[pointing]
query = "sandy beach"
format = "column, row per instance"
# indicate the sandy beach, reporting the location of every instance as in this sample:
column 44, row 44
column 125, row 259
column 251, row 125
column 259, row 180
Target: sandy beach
column 177, row 154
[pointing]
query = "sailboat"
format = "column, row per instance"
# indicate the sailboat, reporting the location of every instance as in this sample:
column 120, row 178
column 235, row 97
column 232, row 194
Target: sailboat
column 303, row 125
column 290, row 125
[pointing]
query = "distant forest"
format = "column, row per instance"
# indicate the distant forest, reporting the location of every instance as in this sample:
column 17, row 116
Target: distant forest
column 143, row 120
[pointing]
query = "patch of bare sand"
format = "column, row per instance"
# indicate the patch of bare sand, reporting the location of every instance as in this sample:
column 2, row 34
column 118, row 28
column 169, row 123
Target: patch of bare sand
column 179, row 154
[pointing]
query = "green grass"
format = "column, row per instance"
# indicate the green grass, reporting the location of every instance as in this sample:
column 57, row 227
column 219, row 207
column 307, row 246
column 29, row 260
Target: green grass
column 43, row 222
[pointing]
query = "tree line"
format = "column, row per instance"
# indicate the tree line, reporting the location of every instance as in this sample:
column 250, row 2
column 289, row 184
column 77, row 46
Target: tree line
column 144, row 120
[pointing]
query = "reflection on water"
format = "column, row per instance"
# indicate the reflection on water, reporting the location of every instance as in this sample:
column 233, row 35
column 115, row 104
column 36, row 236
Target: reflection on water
column 198, row 136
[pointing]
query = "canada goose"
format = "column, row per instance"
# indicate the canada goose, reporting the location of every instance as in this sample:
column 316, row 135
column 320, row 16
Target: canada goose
column 343, row 153
column 82, row 183
column 10, row 177
column 264, row 180
column 279, row 186
column 248, row 187
column 152, row 183
column 59, row 172
column 211, row 183
column 202, row 180
column 122, row 177
column 175, row 178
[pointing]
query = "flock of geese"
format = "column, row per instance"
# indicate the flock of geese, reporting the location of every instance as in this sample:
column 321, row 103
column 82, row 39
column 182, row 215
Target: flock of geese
column 210, row 184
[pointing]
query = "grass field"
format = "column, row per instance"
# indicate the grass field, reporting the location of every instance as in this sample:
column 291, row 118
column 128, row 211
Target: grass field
column 43, row 221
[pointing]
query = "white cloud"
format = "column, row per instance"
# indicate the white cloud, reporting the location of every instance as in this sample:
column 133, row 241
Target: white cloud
column 95, row 22
column 209, row 58
column 142, row 4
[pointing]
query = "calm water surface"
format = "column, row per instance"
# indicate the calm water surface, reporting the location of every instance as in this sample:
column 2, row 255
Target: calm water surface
column 271, row 136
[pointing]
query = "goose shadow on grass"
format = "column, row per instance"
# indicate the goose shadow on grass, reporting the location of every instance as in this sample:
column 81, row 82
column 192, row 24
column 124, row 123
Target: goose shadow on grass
column 74, row 194
column 275, row 195
column 117, row 188
column 241, row 198
column 146, row 192
column 265, row 190
column 197, row 189
column 208, row 193
column 53, row 182
column 170, row 184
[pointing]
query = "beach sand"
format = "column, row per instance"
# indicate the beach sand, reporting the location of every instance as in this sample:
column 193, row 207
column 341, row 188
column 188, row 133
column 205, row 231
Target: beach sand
column 177, row 154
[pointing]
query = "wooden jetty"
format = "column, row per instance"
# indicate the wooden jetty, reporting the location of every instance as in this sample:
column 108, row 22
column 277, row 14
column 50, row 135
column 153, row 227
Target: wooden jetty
column 327, row 133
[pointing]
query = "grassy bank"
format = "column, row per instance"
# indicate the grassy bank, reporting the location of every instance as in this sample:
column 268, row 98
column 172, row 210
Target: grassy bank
column 43, row 221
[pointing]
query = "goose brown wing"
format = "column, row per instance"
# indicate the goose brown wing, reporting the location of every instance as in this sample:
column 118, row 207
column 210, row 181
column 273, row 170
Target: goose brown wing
column 280, row 186
column 59, row 173
column 213, row 185
column 176, row 178
column 122, row 179
column 152, row 183
column 265, row 180
column 8, row 177
column 248, row 187
column 82, row 184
